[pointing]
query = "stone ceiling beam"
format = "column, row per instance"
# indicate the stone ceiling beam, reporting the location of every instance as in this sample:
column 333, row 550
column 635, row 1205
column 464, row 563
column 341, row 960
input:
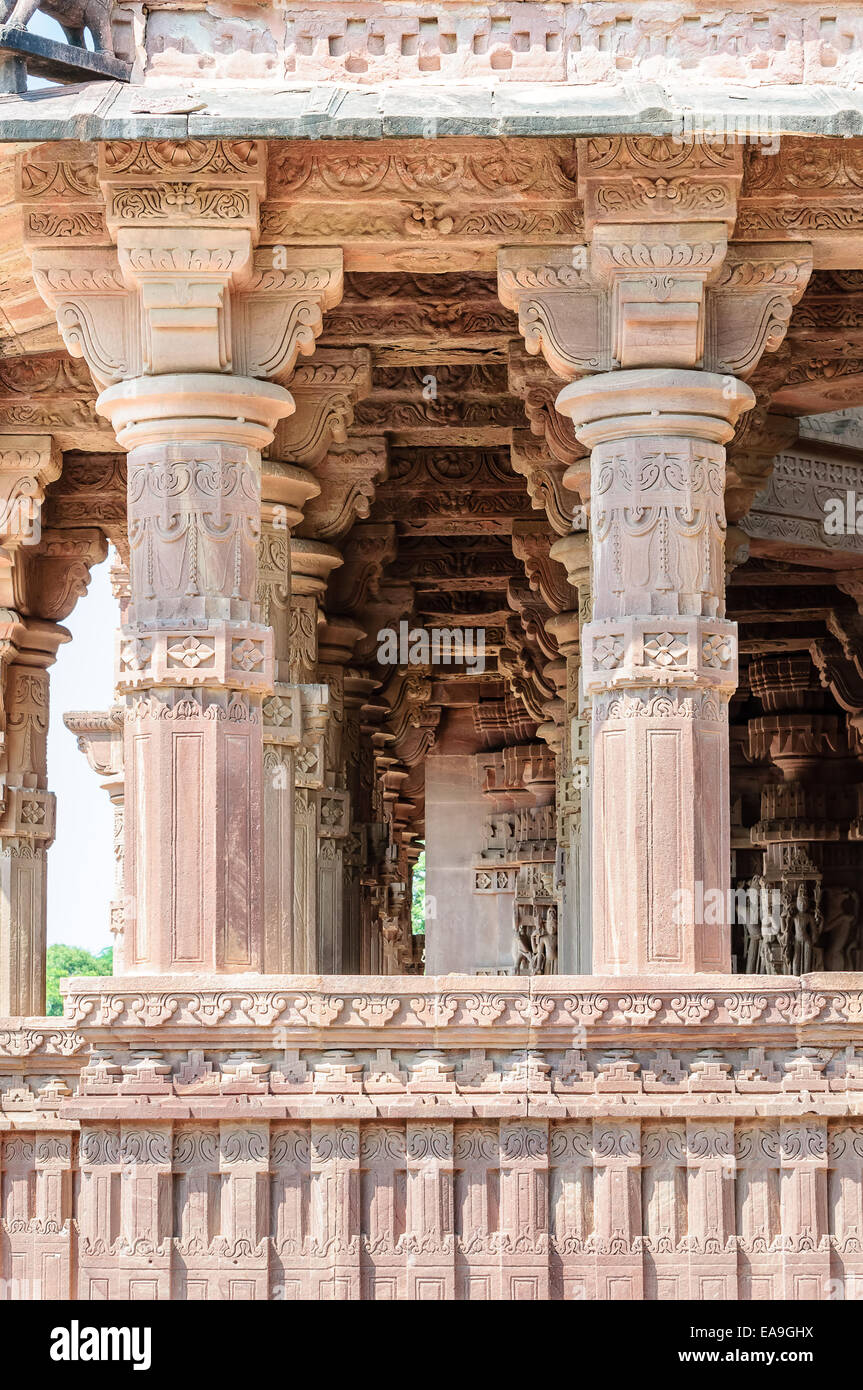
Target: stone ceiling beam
column 445, row 206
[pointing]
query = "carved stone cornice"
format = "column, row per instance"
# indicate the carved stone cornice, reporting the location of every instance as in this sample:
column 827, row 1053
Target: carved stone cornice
column 57, row 186
column 828, row 321
column 822, row 383
column 739, row 1013
column 787, row 516
column 444, row 207
column 807, row 190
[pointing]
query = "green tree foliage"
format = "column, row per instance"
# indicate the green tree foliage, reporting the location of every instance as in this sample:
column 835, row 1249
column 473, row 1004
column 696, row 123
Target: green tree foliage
column 418, row 896
column 72, row 960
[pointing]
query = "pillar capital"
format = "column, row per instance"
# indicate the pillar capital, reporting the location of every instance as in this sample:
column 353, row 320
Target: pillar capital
column 191, row 333
column 164, row 276
column 347, row 475
column 28, row 462
column 659, row 659
column 672, row 294
column 573, row 551
column 648, row 402
column 312, row 563
column 285, row 491
column 194, row 406
column 325, row 390
column 659, row 283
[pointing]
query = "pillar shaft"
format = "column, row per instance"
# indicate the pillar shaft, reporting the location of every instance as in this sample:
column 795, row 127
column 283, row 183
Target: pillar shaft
column 195, row 663
column 660, row 662
column 573, row 551
column 286, row 489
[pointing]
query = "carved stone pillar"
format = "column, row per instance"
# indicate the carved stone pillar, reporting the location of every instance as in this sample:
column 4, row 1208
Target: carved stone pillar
column 337, row 639
column 344, row 480
column 195, row 662
column 573, row 797
column 660, row 661
column 27, row 813
column 286, row 489
column 180, row 319
column 672, row 317
column 311, row 564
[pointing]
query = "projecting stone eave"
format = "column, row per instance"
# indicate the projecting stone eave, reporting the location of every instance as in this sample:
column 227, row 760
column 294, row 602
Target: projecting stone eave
column 320, row 111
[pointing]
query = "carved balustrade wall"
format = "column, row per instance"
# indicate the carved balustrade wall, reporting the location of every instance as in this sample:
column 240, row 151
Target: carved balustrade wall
column 436, row 1139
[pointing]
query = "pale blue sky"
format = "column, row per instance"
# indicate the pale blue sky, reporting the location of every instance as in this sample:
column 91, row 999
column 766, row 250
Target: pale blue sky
column 80, row 862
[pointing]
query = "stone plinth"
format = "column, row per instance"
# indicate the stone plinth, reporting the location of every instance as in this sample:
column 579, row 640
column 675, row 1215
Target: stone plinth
column 436, row 1138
